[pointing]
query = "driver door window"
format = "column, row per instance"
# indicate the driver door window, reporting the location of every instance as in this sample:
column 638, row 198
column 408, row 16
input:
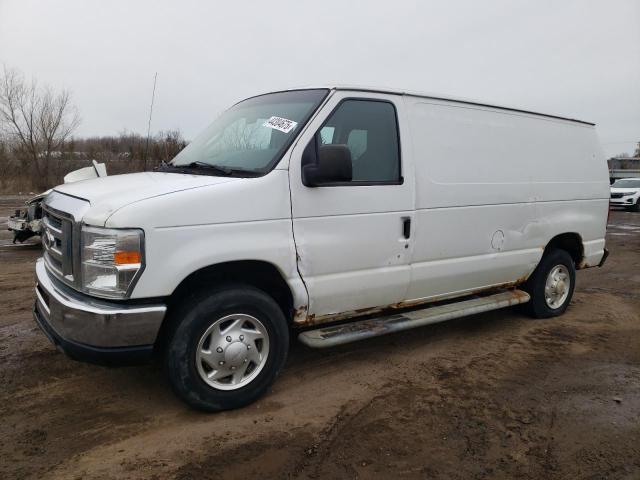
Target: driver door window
column 370, row 131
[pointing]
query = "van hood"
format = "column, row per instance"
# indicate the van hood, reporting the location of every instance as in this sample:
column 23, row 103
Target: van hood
column 108, row 194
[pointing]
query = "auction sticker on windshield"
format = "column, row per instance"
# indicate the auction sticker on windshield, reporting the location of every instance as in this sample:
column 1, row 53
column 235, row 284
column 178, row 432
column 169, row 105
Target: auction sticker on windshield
column 279, row 123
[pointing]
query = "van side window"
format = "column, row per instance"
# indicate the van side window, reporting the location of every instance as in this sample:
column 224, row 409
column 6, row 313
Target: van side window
column 369, row 129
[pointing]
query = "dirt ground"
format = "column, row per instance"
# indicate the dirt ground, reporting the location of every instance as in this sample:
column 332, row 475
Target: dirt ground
column 495, row 395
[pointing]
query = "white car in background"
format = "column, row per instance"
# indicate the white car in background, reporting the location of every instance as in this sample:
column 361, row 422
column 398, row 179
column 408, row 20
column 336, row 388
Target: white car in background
column 626, row 193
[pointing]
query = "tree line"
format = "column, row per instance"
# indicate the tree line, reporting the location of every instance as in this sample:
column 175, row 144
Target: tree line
column 37, row 146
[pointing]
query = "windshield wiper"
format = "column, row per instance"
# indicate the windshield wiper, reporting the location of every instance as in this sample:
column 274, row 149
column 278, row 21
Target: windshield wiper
column 215, row 169
column 209, row 166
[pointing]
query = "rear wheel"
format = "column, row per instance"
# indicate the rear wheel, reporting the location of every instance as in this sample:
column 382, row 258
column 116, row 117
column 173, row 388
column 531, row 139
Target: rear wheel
column 226, row 347
column 551, row 285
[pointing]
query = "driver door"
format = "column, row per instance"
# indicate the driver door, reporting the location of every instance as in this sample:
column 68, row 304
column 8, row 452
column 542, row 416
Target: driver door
column 353, row 239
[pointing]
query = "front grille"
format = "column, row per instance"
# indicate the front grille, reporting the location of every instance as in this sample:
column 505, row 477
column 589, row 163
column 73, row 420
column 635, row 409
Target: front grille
column 57, row 243
column 616, row 195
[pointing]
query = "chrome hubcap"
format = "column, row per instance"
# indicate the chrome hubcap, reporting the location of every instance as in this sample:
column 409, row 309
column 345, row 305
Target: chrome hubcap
column 232, row 351
column 556, row 289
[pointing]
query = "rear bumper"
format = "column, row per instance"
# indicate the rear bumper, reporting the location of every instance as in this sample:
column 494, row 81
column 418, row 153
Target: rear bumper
column 604, row 257
column 93, row 330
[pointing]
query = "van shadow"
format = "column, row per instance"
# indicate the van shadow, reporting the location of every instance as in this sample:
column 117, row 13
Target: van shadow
column 478, row 325
column 141, row 385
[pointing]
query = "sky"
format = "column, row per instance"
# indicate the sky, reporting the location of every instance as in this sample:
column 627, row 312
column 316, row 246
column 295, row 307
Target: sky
column 575, row 58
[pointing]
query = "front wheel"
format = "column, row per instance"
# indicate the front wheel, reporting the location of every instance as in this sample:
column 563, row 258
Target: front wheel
column 551, row 285
column 226, row 347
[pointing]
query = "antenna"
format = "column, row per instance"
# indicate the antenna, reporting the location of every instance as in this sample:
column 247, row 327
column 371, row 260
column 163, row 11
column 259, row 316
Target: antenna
column 153, row 95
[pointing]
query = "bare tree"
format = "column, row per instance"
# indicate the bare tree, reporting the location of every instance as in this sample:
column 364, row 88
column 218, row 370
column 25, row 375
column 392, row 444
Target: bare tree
column 36, row 121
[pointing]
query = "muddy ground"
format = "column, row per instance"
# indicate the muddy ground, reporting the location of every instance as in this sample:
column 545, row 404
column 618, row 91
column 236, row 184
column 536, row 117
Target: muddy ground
column 496, row 395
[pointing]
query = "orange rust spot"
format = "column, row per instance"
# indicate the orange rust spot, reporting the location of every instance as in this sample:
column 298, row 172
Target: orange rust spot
column 519, row 294
column 521, row 280
column 300, row 314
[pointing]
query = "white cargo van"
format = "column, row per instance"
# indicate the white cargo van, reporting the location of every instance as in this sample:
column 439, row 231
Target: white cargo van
column 331, row 214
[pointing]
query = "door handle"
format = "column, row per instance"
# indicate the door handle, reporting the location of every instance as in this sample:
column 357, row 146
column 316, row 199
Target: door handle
column 406, row 227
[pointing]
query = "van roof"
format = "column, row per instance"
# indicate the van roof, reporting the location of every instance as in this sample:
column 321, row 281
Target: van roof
column 432, row 96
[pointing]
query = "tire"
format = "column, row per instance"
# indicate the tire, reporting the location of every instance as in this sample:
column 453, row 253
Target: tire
column 561, row 264
column 636, row 206
column 201, row 338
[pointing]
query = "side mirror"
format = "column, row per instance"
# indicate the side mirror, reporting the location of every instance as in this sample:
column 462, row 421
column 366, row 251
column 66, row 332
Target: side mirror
column 332, row 165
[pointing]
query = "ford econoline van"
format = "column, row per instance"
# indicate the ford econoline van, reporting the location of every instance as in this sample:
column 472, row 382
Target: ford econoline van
column 328, row 214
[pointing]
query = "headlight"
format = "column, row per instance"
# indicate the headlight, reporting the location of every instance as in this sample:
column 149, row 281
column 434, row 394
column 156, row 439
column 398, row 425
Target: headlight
column 626, row 194
column 111, row 260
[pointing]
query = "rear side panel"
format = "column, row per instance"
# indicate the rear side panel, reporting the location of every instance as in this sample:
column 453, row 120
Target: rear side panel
column 493, row 188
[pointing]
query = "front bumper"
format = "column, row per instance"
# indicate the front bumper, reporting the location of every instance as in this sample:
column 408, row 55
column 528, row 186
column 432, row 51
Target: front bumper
column 628, row 201
column 14, row 223
column 94, row 330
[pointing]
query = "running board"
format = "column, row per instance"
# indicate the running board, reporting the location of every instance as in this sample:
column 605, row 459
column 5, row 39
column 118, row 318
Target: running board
column 374, row 327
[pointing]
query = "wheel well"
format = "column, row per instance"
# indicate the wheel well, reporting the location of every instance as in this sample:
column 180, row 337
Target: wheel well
column 571, row 243
column 259, row 274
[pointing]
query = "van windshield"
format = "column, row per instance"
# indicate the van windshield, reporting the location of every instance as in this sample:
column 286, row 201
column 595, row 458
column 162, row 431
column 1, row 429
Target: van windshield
column 251, row 136
column 626, row 183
